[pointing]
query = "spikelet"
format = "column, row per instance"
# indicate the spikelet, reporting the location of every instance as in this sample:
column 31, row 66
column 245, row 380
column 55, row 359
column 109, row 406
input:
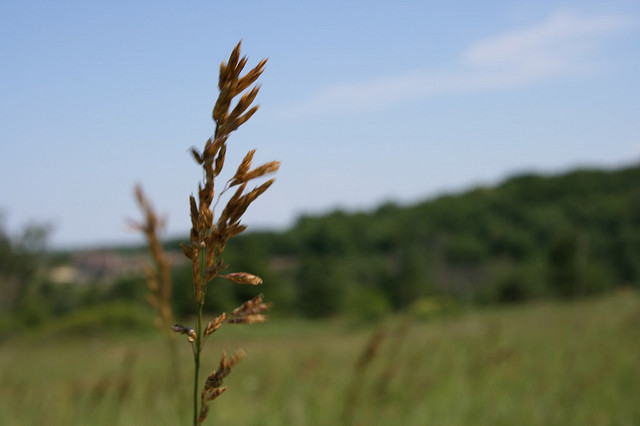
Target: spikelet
column 190, row 332
column 243, row 168
column 265, row 169
column 254, row 307
column 213, row 386
column 243, row 278
column 248, row 319
column 215, row 324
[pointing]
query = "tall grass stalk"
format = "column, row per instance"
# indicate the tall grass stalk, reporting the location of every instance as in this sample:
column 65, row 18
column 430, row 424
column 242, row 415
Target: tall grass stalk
column 158, row 278
column 208, row 236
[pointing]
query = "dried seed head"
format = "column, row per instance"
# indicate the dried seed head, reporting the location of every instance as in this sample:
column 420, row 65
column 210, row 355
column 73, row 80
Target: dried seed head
column 213, row 386
column 251, row 76
column 215, row 324
column 220, row 160
column 206, row 397
column 208, row 236
column 216, row 393
column 235, row 229
column 196, row 155
column 248, row 319
column 256, row 192
column 235, row 54
column 207, row 218
column 190, row 332
column 244, row 118
column 247, row 306
column 232, row 85
column 250, row 307
column 263, row 170
column 187, row 250
column 232, row 205
column 158, row 275
column 194, row 212
column 214, row 270
column 243, row 168
column 243, row 278
column 211, row 148
column 244, row 103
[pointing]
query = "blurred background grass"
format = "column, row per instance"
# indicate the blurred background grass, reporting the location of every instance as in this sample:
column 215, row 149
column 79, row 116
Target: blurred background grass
column 547, row 363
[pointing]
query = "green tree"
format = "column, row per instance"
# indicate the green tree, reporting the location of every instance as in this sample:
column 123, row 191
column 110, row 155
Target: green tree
column 321, row 288
column 22, row 260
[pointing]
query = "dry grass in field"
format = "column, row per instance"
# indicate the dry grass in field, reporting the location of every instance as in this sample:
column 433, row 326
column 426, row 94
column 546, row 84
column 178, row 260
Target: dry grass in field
column 208, row 236
column 394, row 341
column 158, row 275
column 158, row 279
column 541, row 364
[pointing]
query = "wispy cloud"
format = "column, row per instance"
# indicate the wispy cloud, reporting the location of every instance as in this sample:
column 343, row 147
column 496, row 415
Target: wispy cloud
column 561, row 45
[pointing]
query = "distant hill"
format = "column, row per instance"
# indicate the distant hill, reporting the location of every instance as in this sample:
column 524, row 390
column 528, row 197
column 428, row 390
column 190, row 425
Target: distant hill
column 532, row 236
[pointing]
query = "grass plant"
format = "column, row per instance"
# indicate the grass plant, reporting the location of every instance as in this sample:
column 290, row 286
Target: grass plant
column 533, row 365
column 158, row 278
column 209, row 234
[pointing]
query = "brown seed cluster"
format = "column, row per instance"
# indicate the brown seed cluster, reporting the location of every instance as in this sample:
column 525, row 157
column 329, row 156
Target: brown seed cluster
column 250, row 312
column 243, row 278
column 215, row 324
column 213, row 386
column 208, row 236
column 190, row 332
column 158, row 275
column 208, row 239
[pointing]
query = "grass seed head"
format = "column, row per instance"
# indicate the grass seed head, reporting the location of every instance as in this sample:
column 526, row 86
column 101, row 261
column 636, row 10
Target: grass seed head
column 215, row 324
column 243, row 278
column 190, row 332
column 213, row 386
column 208, row 237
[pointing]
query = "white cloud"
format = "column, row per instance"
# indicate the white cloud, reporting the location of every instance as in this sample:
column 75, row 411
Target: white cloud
column 559, row 45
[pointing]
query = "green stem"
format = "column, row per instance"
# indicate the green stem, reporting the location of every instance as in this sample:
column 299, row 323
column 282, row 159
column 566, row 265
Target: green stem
column 196, row 358
column 199, row 337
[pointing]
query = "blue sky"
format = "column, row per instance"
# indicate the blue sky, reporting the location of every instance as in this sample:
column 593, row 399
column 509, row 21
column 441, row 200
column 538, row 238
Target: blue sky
column 363, row 102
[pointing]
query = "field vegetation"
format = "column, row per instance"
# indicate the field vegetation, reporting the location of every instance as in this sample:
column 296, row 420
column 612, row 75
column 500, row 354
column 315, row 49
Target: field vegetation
column 544, row 363
column 512, row 305
column 530, row 238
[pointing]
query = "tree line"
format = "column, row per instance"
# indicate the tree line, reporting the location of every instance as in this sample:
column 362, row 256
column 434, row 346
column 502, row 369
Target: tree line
column 532, row 236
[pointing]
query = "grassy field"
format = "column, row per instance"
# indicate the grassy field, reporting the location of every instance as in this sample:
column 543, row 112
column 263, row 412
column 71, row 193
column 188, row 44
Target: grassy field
column 541, row 364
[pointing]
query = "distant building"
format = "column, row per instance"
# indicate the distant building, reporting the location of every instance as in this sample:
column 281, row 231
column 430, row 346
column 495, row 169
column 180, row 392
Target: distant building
column 106, row 266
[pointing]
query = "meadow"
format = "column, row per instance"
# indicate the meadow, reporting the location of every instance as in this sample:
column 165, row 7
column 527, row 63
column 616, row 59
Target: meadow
column 547, row 363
